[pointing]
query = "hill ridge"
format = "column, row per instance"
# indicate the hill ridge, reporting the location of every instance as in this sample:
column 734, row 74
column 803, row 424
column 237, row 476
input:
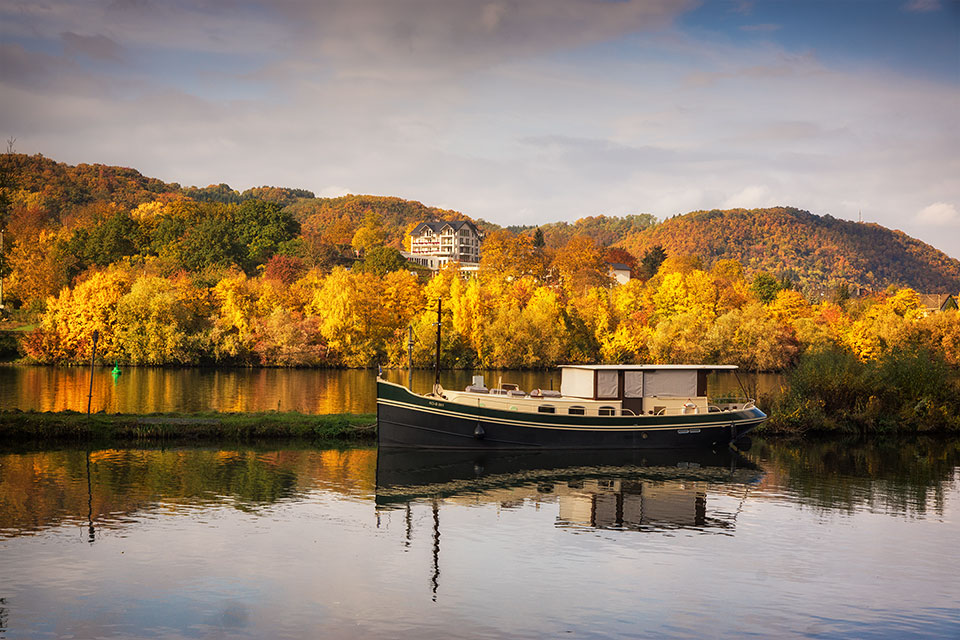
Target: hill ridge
column 818, row 251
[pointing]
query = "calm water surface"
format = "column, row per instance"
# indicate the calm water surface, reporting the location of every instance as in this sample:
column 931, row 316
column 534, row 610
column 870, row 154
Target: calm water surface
column 149, row 390
column 825, row 540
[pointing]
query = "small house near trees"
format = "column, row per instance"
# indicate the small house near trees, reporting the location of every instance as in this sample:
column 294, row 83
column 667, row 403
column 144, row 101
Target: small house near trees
column 937, row 302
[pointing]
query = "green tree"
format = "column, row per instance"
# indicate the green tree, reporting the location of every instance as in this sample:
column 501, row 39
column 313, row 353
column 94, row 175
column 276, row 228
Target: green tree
column 651, row 262
column 209, row 243
column 261, row 228
column 765, row 287
column 104, row 243
column 381, row 261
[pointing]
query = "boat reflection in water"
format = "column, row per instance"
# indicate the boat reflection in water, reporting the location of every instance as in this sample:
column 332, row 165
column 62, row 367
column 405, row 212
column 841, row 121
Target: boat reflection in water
column 631, row 490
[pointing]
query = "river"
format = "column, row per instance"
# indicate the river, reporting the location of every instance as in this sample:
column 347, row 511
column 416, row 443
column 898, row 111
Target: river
column 317, row 391
column 834, row 539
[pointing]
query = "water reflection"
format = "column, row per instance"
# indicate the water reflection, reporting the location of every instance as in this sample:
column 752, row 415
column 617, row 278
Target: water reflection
column 148, row 390
column 903, row 477
column 636, row 490
column 107, row 487
column 633, row 490
column 248, row 542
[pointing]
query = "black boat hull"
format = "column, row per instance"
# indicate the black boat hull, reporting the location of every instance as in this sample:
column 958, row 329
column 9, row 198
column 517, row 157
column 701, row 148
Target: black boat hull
column 409, row 420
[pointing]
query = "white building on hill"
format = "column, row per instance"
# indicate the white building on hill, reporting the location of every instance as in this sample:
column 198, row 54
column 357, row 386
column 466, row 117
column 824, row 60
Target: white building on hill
column 435, row 244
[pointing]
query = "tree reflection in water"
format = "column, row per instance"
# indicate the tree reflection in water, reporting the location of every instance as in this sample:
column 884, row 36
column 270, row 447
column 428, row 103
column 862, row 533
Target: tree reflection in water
column 632, row 490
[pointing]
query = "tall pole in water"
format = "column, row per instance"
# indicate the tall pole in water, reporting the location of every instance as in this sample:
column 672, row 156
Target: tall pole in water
column 93, row 356
column 410, row 359
column 1, row 268
column 436, row 381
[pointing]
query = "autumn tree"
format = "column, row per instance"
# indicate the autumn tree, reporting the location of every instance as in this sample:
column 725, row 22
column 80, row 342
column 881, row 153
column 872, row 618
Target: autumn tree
column 161, row 321
column 580, row 265
column 40, row 266
column 508, row 256
column 621, row 256
column 66, row 327
column 368, row 236
column 286, row 269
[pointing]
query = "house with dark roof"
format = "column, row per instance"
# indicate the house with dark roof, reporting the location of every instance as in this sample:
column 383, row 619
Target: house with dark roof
column 937, row 302
column 435, row 244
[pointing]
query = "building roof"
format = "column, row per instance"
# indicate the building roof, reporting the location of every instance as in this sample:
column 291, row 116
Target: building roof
column 618, row 266
column 437, row 227
column 936, row 300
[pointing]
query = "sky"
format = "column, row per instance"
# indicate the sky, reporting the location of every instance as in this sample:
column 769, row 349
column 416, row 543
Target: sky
column 515, row 111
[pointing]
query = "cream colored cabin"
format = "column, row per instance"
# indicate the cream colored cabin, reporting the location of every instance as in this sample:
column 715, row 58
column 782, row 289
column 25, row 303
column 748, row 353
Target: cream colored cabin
column 608, row 390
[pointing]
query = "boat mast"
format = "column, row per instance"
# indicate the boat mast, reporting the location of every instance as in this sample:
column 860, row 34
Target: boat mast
column 436, row 381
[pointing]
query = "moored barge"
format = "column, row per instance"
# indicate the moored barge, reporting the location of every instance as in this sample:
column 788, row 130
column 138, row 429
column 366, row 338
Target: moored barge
column 597, row 407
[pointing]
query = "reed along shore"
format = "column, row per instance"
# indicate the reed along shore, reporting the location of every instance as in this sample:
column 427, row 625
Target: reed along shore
column 67, row 426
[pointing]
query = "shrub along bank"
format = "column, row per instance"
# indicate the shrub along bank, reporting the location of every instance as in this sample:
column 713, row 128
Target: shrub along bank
column 903, row 390
column 43, row 427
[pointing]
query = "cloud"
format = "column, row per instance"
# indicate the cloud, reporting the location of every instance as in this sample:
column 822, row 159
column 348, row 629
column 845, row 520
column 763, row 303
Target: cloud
column 366, row 36
column 939, row 214
column 923, row 6
column 761, row 27
column 97, row 47
column 594, row 152
column 751, row 197
column 159, row 25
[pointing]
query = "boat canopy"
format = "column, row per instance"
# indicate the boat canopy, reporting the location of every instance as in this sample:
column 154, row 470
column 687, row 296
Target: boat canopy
column 634, row 382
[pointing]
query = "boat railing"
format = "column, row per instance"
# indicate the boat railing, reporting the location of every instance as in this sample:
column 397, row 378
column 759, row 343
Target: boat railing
column 678, row 411
column 726, row 404
column 731, row 404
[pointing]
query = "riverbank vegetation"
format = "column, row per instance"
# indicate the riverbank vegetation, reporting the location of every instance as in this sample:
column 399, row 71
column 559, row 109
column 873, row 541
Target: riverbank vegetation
column 912, row 389
column 48, row 427
column 513, row 315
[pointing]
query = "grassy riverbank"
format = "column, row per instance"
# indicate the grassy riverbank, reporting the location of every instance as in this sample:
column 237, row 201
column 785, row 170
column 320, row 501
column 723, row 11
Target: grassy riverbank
column 43, row 427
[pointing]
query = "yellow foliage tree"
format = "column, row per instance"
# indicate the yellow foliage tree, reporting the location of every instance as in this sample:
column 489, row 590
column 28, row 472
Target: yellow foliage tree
column 581, row 264
column 40, row 266
column 352, row 318
column 158, row 322
column 67, row 326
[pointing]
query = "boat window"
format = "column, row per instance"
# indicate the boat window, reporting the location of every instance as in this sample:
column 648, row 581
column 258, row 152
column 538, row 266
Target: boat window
column 608, row 411
column 608, row 384
column 546, row 408
column 576, row 411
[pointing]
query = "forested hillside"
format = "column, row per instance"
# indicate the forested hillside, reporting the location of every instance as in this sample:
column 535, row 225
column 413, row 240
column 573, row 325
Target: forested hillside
column 816, row 251
column 274, row 276
column 51, row 203
column 605, row 230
